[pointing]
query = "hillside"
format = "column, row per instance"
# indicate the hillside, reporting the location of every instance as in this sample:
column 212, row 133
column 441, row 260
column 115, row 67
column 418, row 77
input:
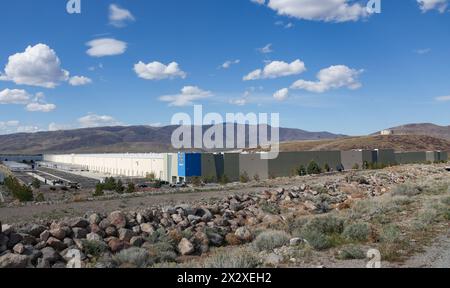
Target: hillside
column 118, row 139
column 427, row 129
column 397, row 142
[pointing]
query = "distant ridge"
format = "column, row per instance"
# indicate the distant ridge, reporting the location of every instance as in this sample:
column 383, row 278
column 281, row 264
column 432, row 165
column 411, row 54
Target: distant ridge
column 427, row 129
column 119, row 139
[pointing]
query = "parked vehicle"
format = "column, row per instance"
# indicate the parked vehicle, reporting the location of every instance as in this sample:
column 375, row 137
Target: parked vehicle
column 178, row 185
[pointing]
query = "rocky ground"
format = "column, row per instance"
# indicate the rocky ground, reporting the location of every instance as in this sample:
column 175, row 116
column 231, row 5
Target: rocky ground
column 313, row 221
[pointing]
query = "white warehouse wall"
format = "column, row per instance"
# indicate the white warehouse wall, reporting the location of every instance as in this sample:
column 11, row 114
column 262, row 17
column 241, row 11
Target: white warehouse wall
column 130, row 165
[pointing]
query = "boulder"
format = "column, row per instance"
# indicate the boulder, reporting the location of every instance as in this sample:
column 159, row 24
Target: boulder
column 185, row 247
column 105, row 223
column 7, row 229
column 56, row 244
column 50, row 255
column 244, row 234
column 215, row 239
column 95, row 219
column 147, row 228
column 117, row 245
column 137, row 241
column 58, row 233
column 14, row 238
column 125, row 234
column 28, row 239
column 94, row 237
column 118, row 219
column 79, row 233
column 44, row 235
column 36, row 230
column 19, row 248
column 111, row 231
column 79, row 223
column 295, row 241
column 13, row 261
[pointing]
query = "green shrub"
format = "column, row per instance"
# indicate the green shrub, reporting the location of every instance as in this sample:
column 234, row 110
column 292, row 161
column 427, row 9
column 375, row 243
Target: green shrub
column 196, row 181
column 269, row 240
column 407, row 190
column 133, row 257
column 94, row 248
column 351, row 252
column 236, row 259
column 224, row 180
column 355, row 167
column 40, row 197
column 270, row 208
column 327, row 168
column 119, row 187
column 446, row 201
column 162, row 252
column 19, row 191
column 357, row 232
column 244, row 177
column 36, row 183
column 98, row 190
column 313, row 168
column 323, row 232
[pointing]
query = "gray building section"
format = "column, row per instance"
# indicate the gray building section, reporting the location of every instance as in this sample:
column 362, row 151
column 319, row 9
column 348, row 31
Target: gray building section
column 231, row 166
column 253, row 165
column 21, row 158
column 212, row 166
column 171, row 162
column 288, row 162
column 386, row 156
column 411, row 157
column 443, row 156
column 357, row 157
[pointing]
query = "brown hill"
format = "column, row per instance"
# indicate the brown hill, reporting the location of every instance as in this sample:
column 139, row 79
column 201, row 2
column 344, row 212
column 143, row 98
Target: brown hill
column 396, row 142
column 422, row 129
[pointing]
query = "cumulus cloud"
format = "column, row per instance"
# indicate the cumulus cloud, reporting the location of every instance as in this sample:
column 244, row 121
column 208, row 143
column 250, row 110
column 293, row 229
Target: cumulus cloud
column 260, row 2
column 79, row 81
column 229, row 63
column 94, row 120
column 266, row 49
column 277, row 69
column 158, row 71
column 58, row 127
column 427, row 5
column 188, row 95
column 40, row 107
column 14, row 126
column 118, row 16
column 37, row 66
column 106, row 47
column 331, row 78
column 320, row 10
column 281, row 95
column 443, row 98
column 14, row 96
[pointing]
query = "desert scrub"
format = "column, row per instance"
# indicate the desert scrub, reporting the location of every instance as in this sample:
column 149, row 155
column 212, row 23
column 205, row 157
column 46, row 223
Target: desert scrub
column 392, row 243
column 359, row 232
column 436, row 187
column 294, row 225
column 94, row 248
column 446, row 201
column 402, row 200
column 409, row 190
column 132, row 258
column 270, row 208
column 351, row 252
column 269, row 240
column 242, row 258
column 162, row 252
column 323, row 232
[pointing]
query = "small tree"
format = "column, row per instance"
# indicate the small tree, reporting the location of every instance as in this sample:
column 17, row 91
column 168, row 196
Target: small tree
column 99, row 190
column 36, row 184
column 224, row 180
column 131, row 188
column 119, row 187
column 301, row 170
column 314, row 168
column 356, row 166
column 327, row 167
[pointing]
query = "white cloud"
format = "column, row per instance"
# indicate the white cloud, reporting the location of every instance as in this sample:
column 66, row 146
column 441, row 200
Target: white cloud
column 79, row 81
column 443, row 98
column 94, row 120
column 260, row 2
column 158, row 71
column 331, row 78
column 320, row 10
column 27, row 129
column 239, row 102
column 40, row 107
column 229, row 63
column 281, row 95
column 188, row 95
column 14, row 126
column 37, row 66
column 266, row 49
column 106, row 47
column 422, row 51
column 118, row 16
column 427, row 5
column 58, row 127
column 277, row 69
column 14, row 96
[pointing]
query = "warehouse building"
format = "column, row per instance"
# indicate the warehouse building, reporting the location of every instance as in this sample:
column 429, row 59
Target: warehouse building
column 358, row 158
column 21, row 158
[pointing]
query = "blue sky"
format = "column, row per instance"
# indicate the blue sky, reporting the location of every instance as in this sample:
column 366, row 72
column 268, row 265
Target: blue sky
column 328, row 65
